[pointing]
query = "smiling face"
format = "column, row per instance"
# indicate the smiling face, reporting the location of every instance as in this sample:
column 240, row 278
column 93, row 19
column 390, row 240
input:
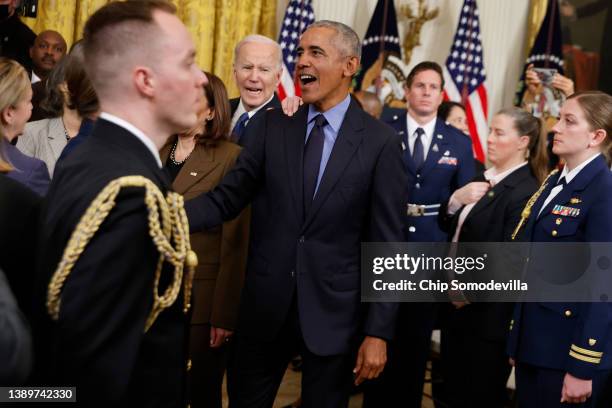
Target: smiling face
column 323, row 70
column 257, row 73
column 424, row 94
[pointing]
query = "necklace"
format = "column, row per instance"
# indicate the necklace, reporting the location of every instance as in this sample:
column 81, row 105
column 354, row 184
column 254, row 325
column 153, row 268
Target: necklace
column 173, row 158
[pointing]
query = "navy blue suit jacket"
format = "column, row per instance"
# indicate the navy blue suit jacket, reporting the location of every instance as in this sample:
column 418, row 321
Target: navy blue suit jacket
column 573, row 337
column 448, row 166
column 315, row 256
column 29, row 171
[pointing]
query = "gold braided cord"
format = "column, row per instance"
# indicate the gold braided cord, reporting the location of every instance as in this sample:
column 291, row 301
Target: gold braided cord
column 175, row 229
column 527, row 210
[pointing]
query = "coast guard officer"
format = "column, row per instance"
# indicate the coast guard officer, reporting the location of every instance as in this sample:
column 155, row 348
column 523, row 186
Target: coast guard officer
column 563, row 351
column 438, row 160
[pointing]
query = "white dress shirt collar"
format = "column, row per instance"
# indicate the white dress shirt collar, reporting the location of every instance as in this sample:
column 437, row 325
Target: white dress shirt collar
column 428, row 128
column 241, row 109
column 569, row 175
column 493, row 177
column 146, row 140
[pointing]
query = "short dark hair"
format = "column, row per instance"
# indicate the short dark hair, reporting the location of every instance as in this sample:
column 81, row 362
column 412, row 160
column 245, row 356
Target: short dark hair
column 446, row 107
column 218, row 127
column 425, row 66
column 117, row 29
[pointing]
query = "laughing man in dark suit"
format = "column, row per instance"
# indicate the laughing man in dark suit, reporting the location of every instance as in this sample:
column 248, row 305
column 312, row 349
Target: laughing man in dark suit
column 320, row 182
column 258, row 65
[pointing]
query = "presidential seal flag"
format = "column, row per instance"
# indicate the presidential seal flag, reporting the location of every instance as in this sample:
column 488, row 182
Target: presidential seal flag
column 298, row 16
column 465, row 77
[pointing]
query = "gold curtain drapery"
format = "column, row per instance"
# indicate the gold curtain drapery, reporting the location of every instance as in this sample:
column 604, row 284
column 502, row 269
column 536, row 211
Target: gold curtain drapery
column 537, row 12
column 216, row 26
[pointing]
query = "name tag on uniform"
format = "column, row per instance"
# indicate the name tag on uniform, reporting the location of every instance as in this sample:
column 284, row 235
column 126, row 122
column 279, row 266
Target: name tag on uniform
column 451, row 161
column 565, row 211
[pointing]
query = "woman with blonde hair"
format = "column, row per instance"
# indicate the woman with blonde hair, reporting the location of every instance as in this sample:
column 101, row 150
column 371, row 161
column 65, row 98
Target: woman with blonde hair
column 562, row 351
column 15, row 110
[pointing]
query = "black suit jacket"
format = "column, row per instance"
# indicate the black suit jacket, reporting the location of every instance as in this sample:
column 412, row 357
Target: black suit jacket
column 315, row 256
column 273, row 104
column 492, row 219
column 98, row 344
column 19, row 216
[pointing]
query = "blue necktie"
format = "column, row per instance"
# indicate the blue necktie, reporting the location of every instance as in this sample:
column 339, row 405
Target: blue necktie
column 239, row 127
column 312, row 160
column 418, row 152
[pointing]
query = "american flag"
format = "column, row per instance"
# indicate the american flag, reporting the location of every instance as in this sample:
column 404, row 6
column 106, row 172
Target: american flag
column 298, row 17
column 464, row 75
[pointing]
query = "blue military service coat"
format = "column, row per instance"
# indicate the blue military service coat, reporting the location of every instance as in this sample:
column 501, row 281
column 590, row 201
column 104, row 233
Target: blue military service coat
column 573, row 337
column 448, row 166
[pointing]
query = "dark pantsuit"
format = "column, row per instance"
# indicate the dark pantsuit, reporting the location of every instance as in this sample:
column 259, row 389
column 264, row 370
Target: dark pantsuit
column 541, row 388
column 257, row 368
column 207, row 368
column 477, row 369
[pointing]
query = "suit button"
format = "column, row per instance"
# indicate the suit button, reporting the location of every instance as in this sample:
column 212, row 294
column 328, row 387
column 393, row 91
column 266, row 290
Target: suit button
column 417, row 185
column 189, row 365
column 558, row 221
column 554, row 233
column 419, row 175
column 301, row 239
column 293, row 274
column 568, row 313
column 411, row 229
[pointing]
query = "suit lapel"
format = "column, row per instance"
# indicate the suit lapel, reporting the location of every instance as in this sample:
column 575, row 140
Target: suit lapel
column 347, row 142
column 199, row 165
column 437, row 147
column 407, row 155
column 57, row 143
column 295, row 134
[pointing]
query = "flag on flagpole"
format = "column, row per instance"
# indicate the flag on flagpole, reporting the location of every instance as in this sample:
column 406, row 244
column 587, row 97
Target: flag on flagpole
column 298, row 16
column 381, row 40
column 465, row 77
column 547, row 51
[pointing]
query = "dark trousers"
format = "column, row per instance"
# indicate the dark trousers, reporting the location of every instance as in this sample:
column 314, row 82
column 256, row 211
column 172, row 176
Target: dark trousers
column 475, row 370
column 205, row 379
column 257, row 367
column 401, row 383
column 538, row 387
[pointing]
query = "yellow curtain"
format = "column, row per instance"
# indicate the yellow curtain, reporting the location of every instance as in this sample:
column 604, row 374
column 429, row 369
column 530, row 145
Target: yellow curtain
column 216, row 26
column 537, row 13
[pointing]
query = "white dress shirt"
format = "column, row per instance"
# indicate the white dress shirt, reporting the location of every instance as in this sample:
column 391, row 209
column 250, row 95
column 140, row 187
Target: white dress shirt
column 569, row 176
column 241, row 109
column 146, row 140
column 493, row 178
column 426, row 139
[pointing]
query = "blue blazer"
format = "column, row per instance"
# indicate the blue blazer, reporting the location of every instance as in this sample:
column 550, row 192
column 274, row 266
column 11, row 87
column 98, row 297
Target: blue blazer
column 28, row 171
column 449, row 165
column 572, row 337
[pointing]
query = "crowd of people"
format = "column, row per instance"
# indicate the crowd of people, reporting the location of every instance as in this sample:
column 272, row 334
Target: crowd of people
column 158, row 235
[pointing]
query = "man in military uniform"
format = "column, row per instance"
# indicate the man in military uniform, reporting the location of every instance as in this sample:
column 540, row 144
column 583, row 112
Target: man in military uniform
column 110, row 320
column 438, row 160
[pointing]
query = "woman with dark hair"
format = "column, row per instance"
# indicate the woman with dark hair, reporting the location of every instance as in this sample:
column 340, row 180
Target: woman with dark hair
column 197, row 160
column 562, row 351
column 72, row 101
column 475, row 365
column 453, row 113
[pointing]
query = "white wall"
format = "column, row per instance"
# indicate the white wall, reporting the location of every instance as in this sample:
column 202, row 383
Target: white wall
column 503, row 25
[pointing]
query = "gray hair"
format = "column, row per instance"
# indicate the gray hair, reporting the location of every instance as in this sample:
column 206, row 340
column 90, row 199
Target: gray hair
column 347, row 40
column 260, row 39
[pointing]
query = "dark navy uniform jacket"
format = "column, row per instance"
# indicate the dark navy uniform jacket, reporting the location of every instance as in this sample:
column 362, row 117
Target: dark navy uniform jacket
column 448, row 166
column 573, row 337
